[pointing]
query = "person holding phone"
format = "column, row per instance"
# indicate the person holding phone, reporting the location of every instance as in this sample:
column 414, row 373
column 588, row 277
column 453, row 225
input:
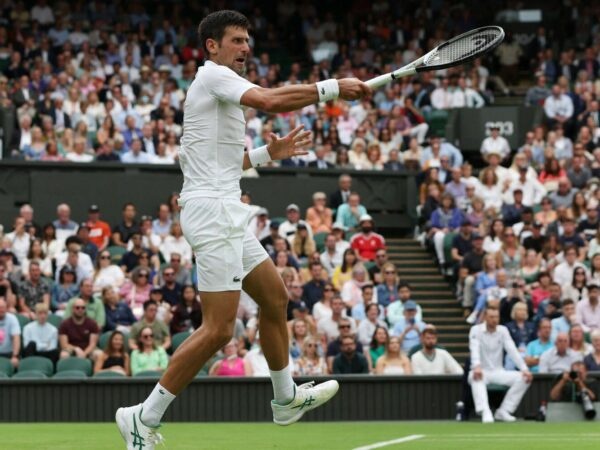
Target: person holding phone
column 409, row 330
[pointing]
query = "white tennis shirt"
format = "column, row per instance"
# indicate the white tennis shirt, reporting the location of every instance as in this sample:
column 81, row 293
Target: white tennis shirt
column 212, row 146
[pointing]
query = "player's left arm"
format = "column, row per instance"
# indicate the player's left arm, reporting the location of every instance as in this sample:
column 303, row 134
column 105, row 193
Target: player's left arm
column 292, row 144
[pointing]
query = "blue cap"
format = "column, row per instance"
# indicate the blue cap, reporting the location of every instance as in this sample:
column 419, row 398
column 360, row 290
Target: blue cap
column 410, row 305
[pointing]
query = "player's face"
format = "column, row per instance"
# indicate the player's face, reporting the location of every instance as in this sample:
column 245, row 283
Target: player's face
column 233, row 49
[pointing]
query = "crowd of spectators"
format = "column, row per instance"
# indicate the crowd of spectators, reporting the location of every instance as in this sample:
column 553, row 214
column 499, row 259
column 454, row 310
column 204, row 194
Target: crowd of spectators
column 87, row 289
column 84, row 87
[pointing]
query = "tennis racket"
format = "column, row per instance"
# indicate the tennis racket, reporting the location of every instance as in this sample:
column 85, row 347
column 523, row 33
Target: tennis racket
column 456, row 51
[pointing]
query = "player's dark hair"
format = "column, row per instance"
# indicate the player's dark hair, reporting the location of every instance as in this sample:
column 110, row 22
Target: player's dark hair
column 213, row 26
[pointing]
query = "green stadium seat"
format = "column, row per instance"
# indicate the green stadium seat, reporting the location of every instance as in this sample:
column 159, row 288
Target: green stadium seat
column 73, row 363
column 3, row 375
column 116, row 253
column 437, row 121
column 493, row 387
column 6, row 367
column 22, row 320
column 30, row 375
column 148, row 374
column 178, row 339
column 70, row 375
column 39, row 363
column 320, row 241
column 109, row 374
column 369, row 265
column 448, row 246
column 204, row 371
column 55, row 320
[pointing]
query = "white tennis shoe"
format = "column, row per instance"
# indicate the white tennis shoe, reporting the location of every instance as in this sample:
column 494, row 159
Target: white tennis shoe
column 136, row 435
column 307, row 396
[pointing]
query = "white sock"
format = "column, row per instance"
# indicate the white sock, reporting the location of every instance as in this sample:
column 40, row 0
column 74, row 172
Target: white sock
column 283, row 385
column 155, row 406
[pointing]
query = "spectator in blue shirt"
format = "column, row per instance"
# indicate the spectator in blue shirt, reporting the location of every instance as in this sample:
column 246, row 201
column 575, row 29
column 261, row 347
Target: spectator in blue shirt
column 118, row 313
column 563, row 323
column 409, row 330
column 447, row 218
column 538, row 346
column 348, row 214
column 313, row 290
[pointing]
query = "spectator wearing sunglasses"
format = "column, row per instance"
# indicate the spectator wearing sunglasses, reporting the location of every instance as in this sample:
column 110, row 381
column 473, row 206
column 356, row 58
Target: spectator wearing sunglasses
column 171, row 289
column 78, row 335
column 94, row 306
column 147, row 354
column 137, row 290
column 346, row 328
column 106, row 273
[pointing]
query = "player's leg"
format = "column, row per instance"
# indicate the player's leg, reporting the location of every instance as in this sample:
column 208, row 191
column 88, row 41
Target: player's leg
column 480, row 396
column 266, row 287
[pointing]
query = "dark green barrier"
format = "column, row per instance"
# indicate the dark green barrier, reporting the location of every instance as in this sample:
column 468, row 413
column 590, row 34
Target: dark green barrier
column 390, row 196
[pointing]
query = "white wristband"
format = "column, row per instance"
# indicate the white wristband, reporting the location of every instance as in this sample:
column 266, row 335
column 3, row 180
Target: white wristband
column 328, row 90
column 259, row 156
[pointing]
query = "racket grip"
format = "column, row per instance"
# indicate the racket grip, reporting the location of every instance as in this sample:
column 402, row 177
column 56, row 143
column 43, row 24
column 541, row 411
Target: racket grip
column 381, row 80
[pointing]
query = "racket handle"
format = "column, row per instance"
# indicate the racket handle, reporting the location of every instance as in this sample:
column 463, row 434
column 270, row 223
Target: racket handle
column 381, row 80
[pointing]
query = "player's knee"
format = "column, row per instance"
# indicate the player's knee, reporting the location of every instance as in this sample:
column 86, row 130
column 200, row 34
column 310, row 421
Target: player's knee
column 222, row 335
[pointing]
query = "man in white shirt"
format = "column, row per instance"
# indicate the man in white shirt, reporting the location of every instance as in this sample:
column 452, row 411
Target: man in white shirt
column 288, row 228
column 533, row 191
column 560, row 357
column 465, row 97
column 558, row 106
column 563, row 272
column 331, row 257
column 20, row 239
column 135, row 154
column 40, row 338
column 431, row 360
column 495, row 143
column 441, row 97
column 487, row 343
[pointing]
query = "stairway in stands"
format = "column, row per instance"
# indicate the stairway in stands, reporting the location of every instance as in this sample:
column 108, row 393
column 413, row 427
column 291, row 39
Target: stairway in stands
column 430, row 290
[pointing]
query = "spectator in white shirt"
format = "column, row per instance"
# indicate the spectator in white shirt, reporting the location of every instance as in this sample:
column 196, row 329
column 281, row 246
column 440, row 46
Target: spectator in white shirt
column 558, row 107
column 441, row 97
column 487, row 343
column 560, row 357
column 465, row 97
column 176, row 243
column 431, row 360
column 495, row 143
column 135, row 154
column 20, row 239
column 40, row 338
column 331, row 257
column 533, row 191
column 563, row 272
column 79, row 154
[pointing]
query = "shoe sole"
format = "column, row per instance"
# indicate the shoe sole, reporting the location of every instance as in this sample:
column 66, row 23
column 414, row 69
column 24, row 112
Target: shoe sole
column 120, row 425
column 298, row 416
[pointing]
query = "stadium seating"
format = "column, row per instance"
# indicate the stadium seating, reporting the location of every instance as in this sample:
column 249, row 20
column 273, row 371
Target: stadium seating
column 30, row 375
column 22, row 320
column 116, row 253
column 178, row 339
column 73, row 363
column 148, row 374
column 55, row 320
column 104, row 337
column 37, row 363
column 70, row 374
column 109, row 374
column 320, row 241
column 3, row 375
column 6, row 367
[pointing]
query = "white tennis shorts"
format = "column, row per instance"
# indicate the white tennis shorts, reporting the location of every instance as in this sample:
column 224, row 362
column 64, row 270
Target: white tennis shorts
column 217, row 230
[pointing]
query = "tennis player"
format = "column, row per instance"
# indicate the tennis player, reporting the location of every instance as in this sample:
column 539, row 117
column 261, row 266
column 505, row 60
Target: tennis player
column 214, row 221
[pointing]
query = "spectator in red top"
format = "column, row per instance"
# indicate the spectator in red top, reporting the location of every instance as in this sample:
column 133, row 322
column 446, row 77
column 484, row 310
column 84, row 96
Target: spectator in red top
column 366, row 242
column 99, row 233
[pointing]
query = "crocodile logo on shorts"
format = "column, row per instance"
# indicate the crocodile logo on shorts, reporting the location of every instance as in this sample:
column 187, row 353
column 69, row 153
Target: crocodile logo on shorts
column 236, row 279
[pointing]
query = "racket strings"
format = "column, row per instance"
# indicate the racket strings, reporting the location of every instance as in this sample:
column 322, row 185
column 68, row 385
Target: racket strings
column 465, row 47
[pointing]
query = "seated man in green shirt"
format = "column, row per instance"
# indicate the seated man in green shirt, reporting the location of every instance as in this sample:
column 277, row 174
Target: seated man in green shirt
column 94, row 308
column 159, row 329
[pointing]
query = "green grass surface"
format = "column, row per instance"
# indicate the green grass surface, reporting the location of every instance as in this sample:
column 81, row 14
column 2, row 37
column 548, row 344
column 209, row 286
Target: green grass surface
column 326, row 436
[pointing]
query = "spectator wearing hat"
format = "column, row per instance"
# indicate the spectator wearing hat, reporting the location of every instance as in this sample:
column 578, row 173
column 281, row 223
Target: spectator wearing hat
column 432, row 360
column 64, row 226
column 409, row 329
column 342, row 195
column 366, row 242
column 349, row 214
column 495, row 143
column 260, row 224
column 319, row 216
column 40, row 338
column 587, row 311
column 287, row 229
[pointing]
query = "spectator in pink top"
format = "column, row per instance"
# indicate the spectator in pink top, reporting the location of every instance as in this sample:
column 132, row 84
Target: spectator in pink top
column 232, row 365
column 137, row 290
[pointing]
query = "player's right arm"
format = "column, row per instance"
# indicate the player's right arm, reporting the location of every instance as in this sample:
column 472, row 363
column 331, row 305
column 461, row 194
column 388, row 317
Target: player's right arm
column 296, row 96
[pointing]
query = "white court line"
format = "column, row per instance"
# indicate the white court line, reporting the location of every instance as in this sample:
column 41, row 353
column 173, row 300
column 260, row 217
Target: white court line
column 412, row 437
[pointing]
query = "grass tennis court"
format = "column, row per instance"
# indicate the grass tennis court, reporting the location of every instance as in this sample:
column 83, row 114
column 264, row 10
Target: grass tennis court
column 308, row 436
